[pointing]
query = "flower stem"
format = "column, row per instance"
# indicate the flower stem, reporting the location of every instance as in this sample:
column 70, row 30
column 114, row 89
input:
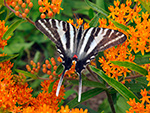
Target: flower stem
column 110, row 102
column 19, row 14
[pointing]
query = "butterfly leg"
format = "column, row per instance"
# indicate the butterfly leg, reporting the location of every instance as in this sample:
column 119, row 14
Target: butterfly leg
column 80, row 88
column 60, row 82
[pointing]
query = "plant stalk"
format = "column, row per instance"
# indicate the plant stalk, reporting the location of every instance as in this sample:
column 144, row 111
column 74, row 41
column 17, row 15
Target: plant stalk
column 110, row 102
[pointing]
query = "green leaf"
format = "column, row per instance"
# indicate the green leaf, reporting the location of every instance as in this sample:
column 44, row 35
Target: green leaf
column 101, row 3
column 104, row 106
column 37, row 56
column 124, row 91
column 12, row 28
column 94, row 21
column 142, row 59
column 26, row 73
column 68, row 93
column 118, row 25
column 91, row 13
column 8, row 57
column 142, row 80
column 59, row 69
column 86, row 95
column 121, row 106
column 132, row 87
column 89, row 83
column 146, row 5
column 2, row 11
column 97, row 8
column 50, row 88
column 81, row 11
column 17, row 47
column 131, row 66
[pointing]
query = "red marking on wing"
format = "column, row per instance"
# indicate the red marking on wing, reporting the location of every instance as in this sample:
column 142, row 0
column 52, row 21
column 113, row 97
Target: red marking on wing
column 75, row 56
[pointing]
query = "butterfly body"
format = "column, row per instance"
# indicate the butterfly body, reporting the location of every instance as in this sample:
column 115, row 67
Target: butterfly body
column 78, row 45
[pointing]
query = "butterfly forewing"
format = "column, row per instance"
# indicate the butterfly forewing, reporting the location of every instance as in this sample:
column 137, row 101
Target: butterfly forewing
column 61, row 33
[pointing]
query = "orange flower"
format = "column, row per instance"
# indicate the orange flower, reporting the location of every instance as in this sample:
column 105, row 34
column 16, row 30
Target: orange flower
column 7, row 88
column 71, row 72
column 121, row 53
column 9, row 2
column 67, row 110
column 144, row 98
column 138, row 107
column 79, row 22
column 3, row 29
column 46, row 109
column 138, row 41
column 49, row 9
column 47, row 98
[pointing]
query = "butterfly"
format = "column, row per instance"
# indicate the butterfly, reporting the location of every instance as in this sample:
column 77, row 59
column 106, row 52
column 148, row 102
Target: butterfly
column 78, row 45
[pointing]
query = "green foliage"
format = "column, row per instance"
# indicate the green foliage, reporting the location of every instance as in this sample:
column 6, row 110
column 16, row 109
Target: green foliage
column 50, row 88
column 60, row 69
column 85, row 96
column 131, row 66
column 12, row 28
column 8, row 57
column 124, row 91
column 26, row 73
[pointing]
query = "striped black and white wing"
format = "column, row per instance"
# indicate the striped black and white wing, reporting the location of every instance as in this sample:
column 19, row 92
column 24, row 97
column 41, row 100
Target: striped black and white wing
column 96, row 39
column 61, row 33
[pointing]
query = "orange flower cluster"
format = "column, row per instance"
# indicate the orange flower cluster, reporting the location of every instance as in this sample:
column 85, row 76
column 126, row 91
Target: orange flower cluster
column 50, row 99
column 140, row 35
column 49, row 68
column 67, row 110
column 79, row 22
column 21, row 7
column 3, row 29
column 139, row 39
column 46, row 109
column 10, row 92
column 124, row 13
column 121, row 53
column 143, row 107
column 35, row 67
column 15, row 95
column 49, row 9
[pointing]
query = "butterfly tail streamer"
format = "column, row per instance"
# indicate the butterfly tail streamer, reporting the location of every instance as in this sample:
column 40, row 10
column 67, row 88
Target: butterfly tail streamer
column 80, row 87
column 60, row 82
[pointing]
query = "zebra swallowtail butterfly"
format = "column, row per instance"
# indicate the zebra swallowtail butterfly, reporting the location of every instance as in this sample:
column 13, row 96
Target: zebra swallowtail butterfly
column 78, row 45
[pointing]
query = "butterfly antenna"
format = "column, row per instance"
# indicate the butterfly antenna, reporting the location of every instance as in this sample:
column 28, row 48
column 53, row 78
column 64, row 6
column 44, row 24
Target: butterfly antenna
column 60, row 82
column 80, row 88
